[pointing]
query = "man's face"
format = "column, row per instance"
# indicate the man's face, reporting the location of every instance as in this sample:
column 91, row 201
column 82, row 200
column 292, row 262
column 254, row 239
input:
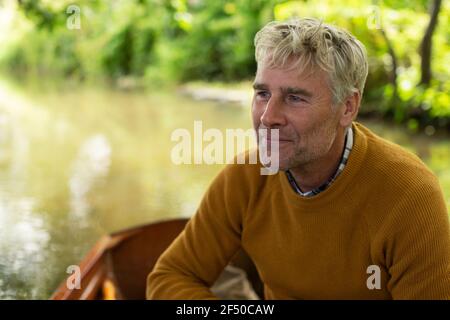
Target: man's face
column 300, row 106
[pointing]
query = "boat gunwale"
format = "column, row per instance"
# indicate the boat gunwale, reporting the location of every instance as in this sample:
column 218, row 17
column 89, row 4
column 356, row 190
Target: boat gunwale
column 100, row 248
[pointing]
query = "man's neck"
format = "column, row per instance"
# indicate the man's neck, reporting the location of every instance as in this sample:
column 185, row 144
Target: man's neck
column 314, row 174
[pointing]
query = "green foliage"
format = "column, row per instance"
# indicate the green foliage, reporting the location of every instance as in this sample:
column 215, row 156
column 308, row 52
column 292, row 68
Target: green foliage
column 118, row 53
column 217, row 43
column 165, row 41
column 129, row 50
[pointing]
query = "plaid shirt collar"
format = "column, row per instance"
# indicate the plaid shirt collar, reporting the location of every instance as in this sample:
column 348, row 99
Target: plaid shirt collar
column 344, row 158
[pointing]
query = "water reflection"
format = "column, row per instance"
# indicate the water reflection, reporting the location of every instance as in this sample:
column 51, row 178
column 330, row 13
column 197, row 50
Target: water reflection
column 79, row 162
column 23, row 231
column 92, row 164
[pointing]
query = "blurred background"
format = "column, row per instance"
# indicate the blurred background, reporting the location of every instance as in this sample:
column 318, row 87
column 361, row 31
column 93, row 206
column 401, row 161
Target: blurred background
column 91, row 90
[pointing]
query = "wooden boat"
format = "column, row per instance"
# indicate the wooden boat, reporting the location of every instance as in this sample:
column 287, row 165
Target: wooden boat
column 118, row 264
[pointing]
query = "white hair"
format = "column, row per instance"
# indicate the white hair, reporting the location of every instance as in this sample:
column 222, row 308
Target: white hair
column 312, row 43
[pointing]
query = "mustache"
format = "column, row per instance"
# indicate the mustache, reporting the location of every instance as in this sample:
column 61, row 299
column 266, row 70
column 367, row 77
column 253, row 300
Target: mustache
column 282, row 136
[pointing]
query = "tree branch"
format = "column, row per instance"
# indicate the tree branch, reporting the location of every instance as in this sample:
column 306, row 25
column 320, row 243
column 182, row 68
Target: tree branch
column 426, row 45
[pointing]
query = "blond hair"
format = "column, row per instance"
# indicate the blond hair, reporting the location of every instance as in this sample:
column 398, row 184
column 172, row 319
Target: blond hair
column 313, row 43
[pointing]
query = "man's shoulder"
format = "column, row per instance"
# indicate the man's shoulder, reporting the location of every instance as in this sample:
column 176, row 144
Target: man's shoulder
column 393, row 165
column 396, row 180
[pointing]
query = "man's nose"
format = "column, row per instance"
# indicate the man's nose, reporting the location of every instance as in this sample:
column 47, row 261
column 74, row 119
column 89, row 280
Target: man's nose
column 273, row 114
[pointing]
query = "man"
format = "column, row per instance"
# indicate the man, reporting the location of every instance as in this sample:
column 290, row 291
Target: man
column 348, row 216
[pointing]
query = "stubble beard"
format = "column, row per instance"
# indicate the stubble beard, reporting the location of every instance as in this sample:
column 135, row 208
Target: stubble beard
column 310, row 147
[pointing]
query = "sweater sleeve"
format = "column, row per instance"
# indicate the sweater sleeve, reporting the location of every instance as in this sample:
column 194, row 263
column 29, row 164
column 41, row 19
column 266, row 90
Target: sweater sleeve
column 418, row 246
column 191, row 264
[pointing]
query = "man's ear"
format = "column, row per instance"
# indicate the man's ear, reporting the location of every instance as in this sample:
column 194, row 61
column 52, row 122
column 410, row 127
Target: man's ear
column 351, row 108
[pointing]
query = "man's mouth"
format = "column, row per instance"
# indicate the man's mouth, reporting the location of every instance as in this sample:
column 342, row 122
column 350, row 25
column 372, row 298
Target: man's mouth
column 269, row 140
column 280, row 141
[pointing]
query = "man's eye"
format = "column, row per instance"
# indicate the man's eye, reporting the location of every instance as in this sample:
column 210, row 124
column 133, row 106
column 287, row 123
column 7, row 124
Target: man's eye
column 262, row 94
column 294, row 98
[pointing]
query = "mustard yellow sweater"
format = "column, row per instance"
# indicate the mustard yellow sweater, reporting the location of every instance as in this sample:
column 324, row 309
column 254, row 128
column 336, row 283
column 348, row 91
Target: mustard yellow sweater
column 385, row 209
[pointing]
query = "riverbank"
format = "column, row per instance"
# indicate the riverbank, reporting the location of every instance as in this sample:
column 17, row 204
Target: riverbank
column 240, row 94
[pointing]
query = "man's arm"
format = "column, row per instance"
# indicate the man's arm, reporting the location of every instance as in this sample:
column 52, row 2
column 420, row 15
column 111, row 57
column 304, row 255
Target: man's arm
column 192, row 263
column 418, row 249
